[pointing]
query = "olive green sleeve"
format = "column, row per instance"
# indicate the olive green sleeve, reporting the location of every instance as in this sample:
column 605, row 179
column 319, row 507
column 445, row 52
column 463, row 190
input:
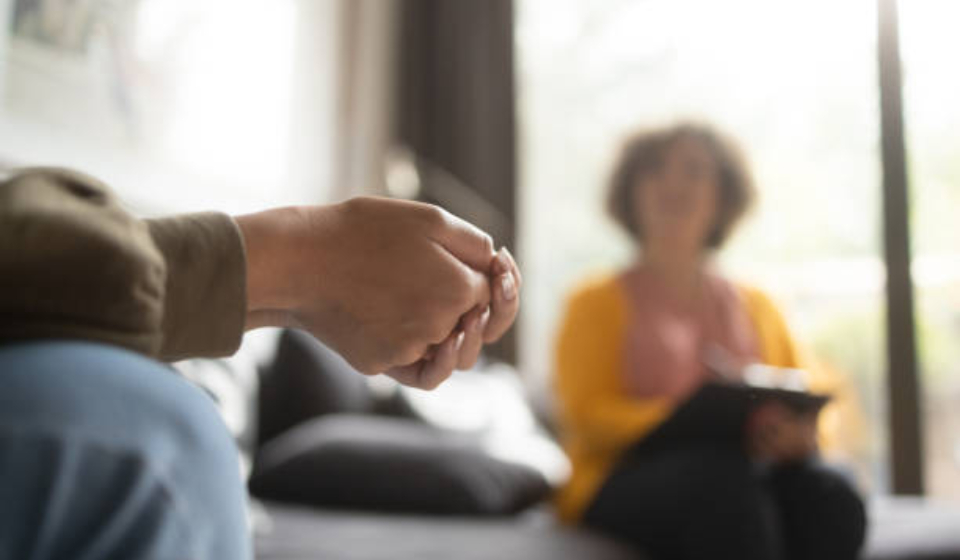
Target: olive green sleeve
column 74, row 264
column 205, row 305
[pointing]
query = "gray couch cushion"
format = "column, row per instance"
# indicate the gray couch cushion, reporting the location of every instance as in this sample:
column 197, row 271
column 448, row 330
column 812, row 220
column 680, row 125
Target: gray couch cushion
column 901, row 529
column 303, row 534
column 913, row 529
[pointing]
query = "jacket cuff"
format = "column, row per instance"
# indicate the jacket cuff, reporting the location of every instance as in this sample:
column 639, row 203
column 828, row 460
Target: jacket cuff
column 206, row 291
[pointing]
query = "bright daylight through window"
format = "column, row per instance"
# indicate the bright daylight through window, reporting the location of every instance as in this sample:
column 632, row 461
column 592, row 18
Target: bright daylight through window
column 796, row 84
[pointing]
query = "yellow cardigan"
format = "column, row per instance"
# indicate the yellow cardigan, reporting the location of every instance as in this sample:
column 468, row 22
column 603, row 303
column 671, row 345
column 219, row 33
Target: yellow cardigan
column 598, row 419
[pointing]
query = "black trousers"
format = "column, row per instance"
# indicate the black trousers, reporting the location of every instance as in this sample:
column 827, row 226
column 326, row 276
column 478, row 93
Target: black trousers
column 711, row 501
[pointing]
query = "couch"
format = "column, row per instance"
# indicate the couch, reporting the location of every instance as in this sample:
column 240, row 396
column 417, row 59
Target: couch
column 252, row 392
column 900, row 528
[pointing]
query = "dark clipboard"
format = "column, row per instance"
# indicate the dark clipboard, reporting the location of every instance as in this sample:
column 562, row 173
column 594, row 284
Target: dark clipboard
column 718, row 413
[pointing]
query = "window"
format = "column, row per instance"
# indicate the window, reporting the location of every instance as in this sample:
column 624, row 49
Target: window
column 180, row 105
column 931, row 88
column 796, row 83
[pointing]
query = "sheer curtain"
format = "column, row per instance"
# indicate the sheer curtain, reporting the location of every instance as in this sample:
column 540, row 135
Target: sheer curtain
column 366, row 74
column 223, row 104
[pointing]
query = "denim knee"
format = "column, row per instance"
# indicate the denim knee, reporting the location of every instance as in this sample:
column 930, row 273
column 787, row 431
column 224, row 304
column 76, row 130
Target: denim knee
column 113, row 407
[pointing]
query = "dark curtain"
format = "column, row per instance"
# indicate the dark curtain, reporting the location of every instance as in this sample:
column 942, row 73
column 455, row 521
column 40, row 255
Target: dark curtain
column 456, row 112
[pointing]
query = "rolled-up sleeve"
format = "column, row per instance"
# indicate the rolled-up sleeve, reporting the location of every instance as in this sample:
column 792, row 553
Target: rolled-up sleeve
column 75, row 264
column 205, row 305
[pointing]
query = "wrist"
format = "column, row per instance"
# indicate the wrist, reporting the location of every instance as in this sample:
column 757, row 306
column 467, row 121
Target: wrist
column 267, row 248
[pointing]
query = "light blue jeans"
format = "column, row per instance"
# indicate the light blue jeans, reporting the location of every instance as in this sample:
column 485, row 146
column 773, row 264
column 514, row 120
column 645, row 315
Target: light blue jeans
column 105, row 454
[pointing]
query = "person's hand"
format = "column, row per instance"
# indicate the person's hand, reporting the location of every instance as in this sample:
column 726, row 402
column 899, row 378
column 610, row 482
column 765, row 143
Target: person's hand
column 482, row 324
column 393, row 286
column 777, row 434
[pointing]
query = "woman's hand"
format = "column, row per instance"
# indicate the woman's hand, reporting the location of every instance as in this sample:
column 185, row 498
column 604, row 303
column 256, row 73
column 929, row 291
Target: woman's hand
column 776, row 433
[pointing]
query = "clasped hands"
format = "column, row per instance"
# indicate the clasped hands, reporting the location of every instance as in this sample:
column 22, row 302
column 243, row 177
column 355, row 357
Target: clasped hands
column 778, row 434
column 396, row 287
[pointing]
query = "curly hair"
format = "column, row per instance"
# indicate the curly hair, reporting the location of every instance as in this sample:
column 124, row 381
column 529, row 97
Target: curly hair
column 642, row 154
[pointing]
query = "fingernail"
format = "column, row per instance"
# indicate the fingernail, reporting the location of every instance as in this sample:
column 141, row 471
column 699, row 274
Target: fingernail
column 484, row 319
column 459, row 342
column 502, row 261
column 509, row 288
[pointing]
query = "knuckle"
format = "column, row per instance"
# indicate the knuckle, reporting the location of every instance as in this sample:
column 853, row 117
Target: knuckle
column 467, row 362
column 486, row 242
column 463, row 289
column 366, row 367
column 356, row 204
column 432, row 381
column 437, row 331
column 433, row 216
column 440, row 317
column 407, row 354
column 462, row 298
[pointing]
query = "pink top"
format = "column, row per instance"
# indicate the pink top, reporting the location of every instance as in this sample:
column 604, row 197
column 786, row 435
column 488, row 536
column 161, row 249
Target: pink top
column 668, row 341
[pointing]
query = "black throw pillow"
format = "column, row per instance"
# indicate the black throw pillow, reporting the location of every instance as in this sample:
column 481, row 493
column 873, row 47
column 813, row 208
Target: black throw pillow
column 306, row 380
column 391, row 465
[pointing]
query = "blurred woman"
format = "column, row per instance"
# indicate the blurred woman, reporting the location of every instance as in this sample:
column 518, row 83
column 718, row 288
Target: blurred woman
column 634, row 345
